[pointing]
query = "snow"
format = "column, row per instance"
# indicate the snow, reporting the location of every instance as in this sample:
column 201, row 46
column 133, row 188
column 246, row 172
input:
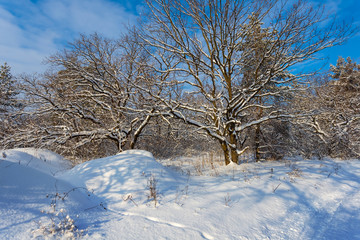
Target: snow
column 109, row 198
column 41, row 160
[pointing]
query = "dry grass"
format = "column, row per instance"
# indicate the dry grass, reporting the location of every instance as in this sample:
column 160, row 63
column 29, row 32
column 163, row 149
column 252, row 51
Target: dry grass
column 153, row 193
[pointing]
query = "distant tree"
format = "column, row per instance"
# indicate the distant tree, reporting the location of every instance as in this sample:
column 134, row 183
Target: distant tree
column 8, row 91
column 207, row 46
column 332, row 127
column 260, row 138
column 346, row 74
column 8, row 100
column 343, row 100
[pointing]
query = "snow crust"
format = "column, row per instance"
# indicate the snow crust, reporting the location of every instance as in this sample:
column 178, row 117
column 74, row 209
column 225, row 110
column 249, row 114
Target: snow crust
column 293, row 199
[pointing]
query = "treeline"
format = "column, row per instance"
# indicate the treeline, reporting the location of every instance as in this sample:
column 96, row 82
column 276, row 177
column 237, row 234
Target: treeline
column 193, row 76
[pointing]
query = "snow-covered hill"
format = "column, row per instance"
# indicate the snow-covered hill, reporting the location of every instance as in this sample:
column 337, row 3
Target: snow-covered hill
column 113, row 198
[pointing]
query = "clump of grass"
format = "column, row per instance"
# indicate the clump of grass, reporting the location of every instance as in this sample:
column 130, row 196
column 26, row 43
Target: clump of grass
column 152, row 186
column 227, row 200
column 181, row 195
column 294, row 173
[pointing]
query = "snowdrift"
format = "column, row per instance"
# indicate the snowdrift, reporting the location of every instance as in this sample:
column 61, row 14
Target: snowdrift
column 27, row 184
column 110, row 198
column 40, row 159
column 121, row 176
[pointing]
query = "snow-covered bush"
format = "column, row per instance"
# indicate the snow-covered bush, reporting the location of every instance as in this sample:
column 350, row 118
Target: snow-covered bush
column 61, row 225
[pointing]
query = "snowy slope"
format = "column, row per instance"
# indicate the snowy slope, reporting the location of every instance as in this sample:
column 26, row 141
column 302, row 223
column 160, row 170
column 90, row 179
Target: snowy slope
column 42, row 160
column 273, row 200
column 125, row 174
column 241, row 204
column 27, row 183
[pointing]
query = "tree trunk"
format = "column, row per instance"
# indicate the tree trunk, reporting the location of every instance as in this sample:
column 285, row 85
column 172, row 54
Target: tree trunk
column 257, row 143
column 226, row 153
column 257, row 132
column 230, row 155
column 234, row 154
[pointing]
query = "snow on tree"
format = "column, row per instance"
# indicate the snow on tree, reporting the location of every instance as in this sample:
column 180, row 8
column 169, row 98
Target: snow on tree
column 226, row 68
column 332, row 125
column 223, row 71
column 342, row 98
column 8, row 100
column 8, row 90
column 89, row 101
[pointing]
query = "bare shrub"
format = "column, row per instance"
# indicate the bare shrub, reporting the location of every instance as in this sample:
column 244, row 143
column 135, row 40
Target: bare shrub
column 153, row 193
column 227, row 200
column 61, row 224
column 181, row 194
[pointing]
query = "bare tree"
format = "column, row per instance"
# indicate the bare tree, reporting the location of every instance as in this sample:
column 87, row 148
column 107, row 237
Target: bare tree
column 223, row 71
column 309, row 138
column 90, row 99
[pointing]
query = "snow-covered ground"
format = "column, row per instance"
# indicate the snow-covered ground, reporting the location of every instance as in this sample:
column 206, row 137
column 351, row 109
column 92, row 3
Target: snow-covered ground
column 111, row 198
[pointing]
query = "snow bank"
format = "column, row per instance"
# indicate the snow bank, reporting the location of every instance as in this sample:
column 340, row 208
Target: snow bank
column 118, row 177
column 28, row 187
column 40, row 159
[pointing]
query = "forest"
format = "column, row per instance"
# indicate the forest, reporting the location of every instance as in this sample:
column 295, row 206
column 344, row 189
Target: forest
column 232, row 77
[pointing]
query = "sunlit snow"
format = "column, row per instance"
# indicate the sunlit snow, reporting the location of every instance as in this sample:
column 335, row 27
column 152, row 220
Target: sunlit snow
column 109, row 198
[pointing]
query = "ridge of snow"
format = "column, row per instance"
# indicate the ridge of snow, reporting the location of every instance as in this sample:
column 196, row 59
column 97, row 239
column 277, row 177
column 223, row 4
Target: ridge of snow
column 113, row 178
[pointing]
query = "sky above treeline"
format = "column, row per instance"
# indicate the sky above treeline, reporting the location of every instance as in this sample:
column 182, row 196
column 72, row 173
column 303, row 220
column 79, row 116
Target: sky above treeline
column 31, row 30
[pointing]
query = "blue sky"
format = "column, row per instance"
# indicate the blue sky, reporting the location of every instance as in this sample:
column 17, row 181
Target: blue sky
column 31, row 30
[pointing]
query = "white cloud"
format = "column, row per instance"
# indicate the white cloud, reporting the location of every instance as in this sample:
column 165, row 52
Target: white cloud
column 10, row 32
column 22, row 59
column 88, row 16
column 31, row 32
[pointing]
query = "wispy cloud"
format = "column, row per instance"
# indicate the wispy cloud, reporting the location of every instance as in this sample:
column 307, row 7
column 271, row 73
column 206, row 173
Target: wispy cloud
column 81, row 16
column 32, row 30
